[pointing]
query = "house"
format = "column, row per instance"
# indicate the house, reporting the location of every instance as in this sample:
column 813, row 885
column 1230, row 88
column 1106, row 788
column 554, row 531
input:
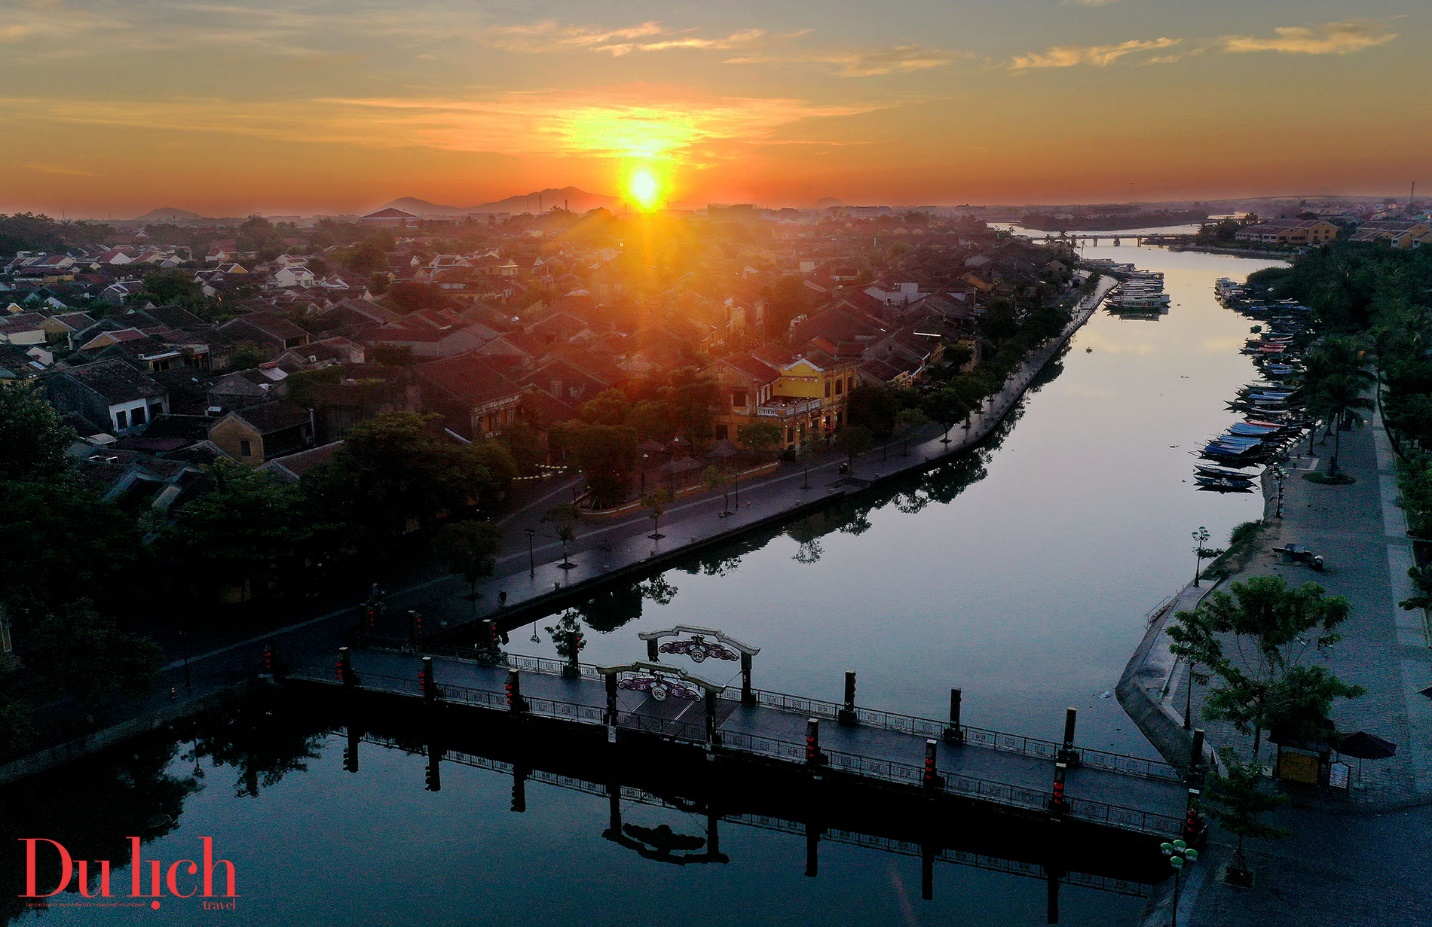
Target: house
column 110, row 394
column 426, row 341
column 1289, row 232
column 265, row 328
column 472, row 393
column 1401, row 234
column 260, row 433
column 389, row 218
column 291, row 468
column 27, row 328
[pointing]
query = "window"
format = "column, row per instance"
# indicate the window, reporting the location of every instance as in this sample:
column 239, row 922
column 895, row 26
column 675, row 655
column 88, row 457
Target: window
column 738, row 398
column 839, row 387
column 121, row 420
column 827, row 390
column 723, row 432
column 137, row 417
column 246, row 449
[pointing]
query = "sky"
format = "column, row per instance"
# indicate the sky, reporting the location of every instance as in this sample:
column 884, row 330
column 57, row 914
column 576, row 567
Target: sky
column 116, row 107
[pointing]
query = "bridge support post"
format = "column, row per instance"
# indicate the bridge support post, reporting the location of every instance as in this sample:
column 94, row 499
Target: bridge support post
column 611, row 716
column 748, row 697
column 519, row 788
column 812, row 850
column 713, row 833
column 927, row 871
column 1058, row 804
column 1194, row 828
column 1067, row 754
column 812, row 754
column 712, row 739
column 426, row 682
column 614, row 810
column 652, row 651
column 515, row 702
column 345, row 669
column 955, row 734
column 846, row 716
column 433, row 777
column 932, row 779
column 350, row 749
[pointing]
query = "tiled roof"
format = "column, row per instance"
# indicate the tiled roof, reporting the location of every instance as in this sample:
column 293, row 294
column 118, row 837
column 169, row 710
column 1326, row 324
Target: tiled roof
column 115, row 381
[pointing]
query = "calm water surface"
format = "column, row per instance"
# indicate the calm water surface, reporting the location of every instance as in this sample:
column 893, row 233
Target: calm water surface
column 1021, row 575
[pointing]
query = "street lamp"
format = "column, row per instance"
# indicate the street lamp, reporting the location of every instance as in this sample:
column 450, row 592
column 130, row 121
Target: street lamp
column 1201, row 537
column 1280, row 475
column 531, row 558
column 1179, row 854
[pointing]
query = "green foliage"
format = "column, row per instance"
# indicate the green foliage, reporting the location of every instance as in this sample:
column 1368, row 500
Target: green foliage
column 610, row 407
column 524, row 445
column 33, row 439
column 27, row 231
column 469, row 548
column 407, row 296
column 853, row 440
column 247, row 356
column 393, row 355
column 759, row 436
column 252, row 532
column 874, row 407
column 172, row 287
column 84, row 653
column 606, row 455
column 567, row 636
column 693, row 397
column 1239, row 799
column 1262, row 684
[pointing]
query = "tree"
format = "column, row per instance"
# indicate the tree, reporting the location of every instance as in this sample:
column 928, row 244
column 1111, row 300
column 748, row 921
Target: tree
column 694, row 396
column 251, row 533
column 1339, row 400
column 853, row 440
column 1238, row 800
column 717, row 480
column 873, row 407
column 33, row 439
column 907, row 423
column 609, row 407
column 655, row 503
column 947, row 406
column 470, row 548
column 759, row 436
column 1263, row 686
column 565, row 516
column 605, row 454
column 247, row 355
column 84, row 653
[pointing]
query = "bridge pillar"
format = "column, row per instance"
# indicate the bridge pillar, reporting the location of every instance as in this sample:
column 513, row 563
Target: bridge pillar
column 432, row 776
column 932, row 779
column 513, row 687
column 611, row 716
column 519, row 788
column 748, row 697
column 713, row 833
column 426, row 682
column 846, row 716
column 813, row 755
column 812, row 850
column 712, row 739
column 927, row 871
column 614, row 810
column 345, row 668
column 653, row 651
column 350, row 749
column 1067, row 754
column 955, row 734
column 1058, row 804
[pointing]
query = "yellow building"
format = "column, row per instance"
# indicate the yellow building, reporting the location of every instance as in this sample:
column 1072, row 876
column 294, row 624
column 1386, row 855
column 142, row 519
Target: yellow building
column 803, row 394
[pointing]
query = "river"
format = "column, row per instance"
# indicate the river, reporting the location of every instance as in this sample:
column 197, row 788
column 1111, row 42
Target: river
column 1020, row 573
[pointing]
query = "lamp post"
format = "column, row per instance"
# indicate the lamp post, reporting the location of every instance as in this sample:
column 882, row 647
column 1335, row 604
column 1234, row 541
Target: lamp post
column 531, row 557
column 1200, row 538
column 1280, row 475
column 1179, row 854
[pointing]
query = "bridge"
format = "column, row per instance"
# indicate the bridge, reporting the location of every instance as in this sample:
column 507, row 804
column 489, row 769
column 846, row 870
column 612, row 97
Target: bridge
column 1123, row 801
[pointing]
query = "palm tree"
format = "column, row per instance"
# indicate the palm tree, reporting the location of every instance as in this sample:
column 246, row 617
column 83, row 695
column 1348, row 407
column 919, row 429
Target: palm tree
column 1340, row 400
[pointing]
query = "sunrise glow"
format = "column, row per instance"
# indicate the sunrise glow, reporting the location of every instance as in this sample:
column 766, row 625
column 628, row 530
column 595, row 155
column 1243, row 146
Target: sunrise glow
column 644, row 189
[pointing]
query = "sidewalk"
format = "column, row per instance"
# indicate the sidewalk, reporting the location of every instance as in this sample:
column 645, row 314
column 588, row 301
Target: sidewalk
column 1360, row 858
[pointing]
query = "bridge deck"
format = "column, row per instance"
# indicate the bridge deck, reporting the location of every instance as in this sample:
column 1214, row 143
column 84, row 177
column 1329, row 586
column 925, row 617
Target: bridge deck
column 1124, row 792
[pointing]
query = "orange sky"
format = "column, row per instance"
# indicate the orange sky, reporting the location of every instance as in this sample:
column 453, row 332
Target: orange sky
column 114, row 107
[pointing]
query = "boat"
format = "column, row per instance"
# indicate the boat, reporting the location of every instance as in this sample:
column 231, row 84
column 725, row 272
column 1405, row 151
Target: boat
column 1223, row 482
column 1206, row 470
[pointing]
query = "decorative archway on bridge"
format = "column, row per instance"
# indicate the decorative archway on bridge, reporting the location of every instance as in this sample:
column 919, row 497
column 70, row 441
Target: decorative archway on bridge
column 704, row 644
column 660, row 683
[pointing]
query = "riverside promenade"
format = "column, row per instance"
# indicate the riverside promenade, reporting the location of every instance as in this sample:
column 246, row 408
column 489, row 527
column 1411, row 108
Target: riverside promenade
column 1354, row 857
column 606, row 550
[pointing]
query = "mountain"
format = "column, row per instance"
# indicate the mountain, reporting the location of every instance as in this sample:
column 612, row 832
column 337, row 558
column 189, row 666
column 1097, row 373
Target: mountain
column 828, row 202
column 167, row 214
column 575, row 199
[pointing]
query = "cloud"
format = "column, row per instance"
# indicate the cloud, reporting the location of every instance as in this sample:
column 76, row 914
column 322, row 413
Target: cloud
column 1068, row 56
column 550, row 36
column 1341, row 38
column 863, row 62
column 636, row 122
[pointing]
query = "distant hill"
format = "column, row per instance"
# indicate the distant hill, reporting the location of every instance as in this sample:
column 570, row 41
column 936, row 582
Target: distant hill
column 828, row 202
column 575, row 199
column 167, row 214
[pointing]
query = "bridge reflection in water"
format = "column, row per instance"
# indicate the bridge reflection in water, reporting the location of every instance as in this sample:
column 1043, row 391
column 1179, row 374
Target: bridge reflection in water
column 649, row 734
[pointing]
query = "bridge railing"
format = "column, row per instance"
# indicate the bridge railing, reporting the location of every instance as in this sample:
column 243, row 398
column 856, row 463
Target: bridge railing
column 973, row 736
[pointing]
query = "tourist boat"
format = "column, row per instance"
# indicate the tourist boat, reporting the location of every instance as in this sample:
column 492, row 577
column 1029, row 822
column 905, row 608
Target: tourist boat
column 1223, row 482
column 1206, row 470
column 1249, row 430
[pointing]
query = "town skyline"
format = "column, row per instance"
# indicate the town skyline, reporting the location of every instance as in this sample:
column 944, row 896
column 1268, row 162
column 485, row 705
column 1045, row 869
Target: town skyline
column 316, row 108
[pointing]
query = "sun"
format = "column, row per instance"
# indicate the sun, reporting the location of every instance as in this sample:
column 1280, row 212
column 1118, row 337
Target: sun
column 644, row 188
